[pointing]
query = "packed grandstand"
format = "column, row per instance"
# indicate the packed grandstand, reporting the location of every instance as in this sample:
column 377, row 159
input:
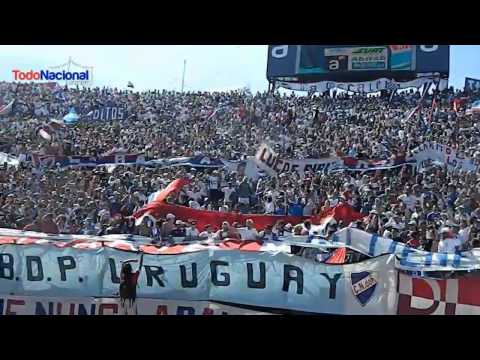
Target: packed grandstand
column 241, row 203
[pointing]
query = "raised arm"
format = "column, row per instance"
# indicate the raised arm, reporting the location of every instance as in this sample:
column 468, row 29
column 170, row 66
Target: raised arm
column 141, row 262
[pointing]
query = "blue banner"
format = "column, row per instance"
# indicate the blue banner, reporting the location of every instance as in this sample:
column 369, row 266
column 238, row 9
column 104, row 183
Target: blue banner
column 109, row 113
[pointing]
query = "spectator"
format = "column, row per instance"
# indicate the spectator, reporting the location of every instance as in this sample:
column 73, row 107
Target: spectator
column 224, row 232
column 448, row 243
column 250, row 233
column 168, row 226
column 268, row 234
column 366, row 128
column 34, row 226
column 207, row 233
column 47, row 224
column 191, row 230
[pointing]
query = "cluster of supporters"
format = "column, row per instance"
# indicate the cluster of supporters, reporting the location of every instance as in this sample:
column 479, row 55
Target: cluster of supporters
column 431, row 208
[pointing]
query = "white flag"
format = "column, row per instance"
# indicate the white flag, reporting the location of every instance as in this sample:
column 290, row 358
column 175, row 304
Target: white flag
column 7, row 109
column 44, row 135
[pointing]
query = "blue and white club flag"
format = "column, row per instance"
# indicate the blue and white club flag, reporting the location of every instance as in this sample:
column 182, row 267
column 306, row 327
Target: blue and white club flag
column 71, row 117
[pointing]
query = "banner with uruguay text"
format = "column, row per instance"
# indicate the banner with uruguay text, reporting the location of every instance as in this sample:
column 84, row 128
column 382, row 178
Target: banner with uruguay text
column 35, row 305
column 442, row 154
column 270, row 162
column 266, row 279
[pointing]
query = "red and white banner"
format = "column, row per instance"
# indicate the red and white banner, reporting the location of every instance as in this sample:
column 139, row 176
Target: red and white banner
column 132, row 244
column 425, row 296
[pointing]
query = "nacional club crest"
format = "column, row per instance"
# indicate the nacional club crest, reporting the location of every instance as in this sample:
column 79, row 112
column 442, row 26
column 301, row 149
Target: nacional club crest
column 363, row 286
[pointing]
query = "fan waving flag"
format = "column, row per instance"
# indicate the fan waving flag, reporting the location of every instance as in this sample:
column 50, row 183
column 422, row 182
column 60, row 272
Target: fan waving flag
column 413, row 112
column 455, row 105
column 432, row 109
column 7, row 109
column 339, row 213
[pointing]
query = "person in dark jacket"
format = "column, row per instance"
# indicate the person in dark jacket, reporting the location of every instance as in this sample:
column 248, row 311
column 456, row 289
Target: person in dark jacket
column 128, row 287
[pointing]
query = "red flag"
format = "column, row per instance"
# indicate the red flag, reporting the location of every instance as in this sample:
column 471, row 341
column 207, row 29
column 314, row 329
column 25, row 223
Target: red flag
column 159, row 208
column 342, row 212
column 338, row 256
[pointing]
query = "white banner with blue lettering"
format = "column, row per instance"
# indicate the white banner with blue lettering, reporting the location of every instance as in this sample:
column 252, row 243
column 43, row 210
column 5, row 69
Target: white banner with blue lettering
column 264, row 279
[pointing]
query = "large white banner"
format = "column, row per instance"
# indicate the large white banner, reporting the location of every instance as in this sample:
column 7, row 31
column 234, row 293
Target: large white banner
column 444, row 155
column 34, row 305
column 265, row 279
column 269, row 161
column 359, row 87
column 9, row 159
column 287, row 281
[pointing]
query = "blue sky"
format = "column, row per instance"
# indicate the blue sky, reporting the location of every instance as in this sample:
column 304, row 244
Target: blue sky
column 211, row 67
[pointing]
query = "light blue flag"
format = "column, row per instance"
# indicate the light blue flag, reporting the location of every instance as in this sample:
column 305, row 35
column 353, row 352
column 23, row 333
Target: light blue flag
column 71, row 117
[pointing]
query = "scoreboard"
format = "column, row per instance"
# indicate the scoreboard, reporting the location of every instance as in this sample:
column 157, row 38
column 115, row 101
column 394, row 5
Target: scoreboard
column 355, row 63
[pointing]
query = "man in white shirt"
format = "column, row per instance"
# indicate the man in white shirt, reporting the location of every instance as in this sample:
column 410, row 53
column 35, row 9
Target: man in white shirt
column 195, row 194
column 227, row 191
column 194, row 204
column 250, row 233
column 448, row 243
column 409, row 200
column 207, row 234
column 191, row 231
column 269, row 205
column 214, row 193
column 466, row 229
column 395, row 222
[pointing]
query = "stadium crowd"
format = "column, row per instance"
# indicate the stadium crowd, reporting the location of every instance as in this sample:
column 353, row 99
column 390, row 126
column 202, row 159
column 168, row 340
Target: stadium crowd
column 431, row 208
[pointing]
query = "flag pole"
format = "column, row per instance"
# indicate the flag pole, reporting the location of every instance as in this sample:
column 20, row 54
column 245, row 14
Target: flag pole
column 183, row 76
